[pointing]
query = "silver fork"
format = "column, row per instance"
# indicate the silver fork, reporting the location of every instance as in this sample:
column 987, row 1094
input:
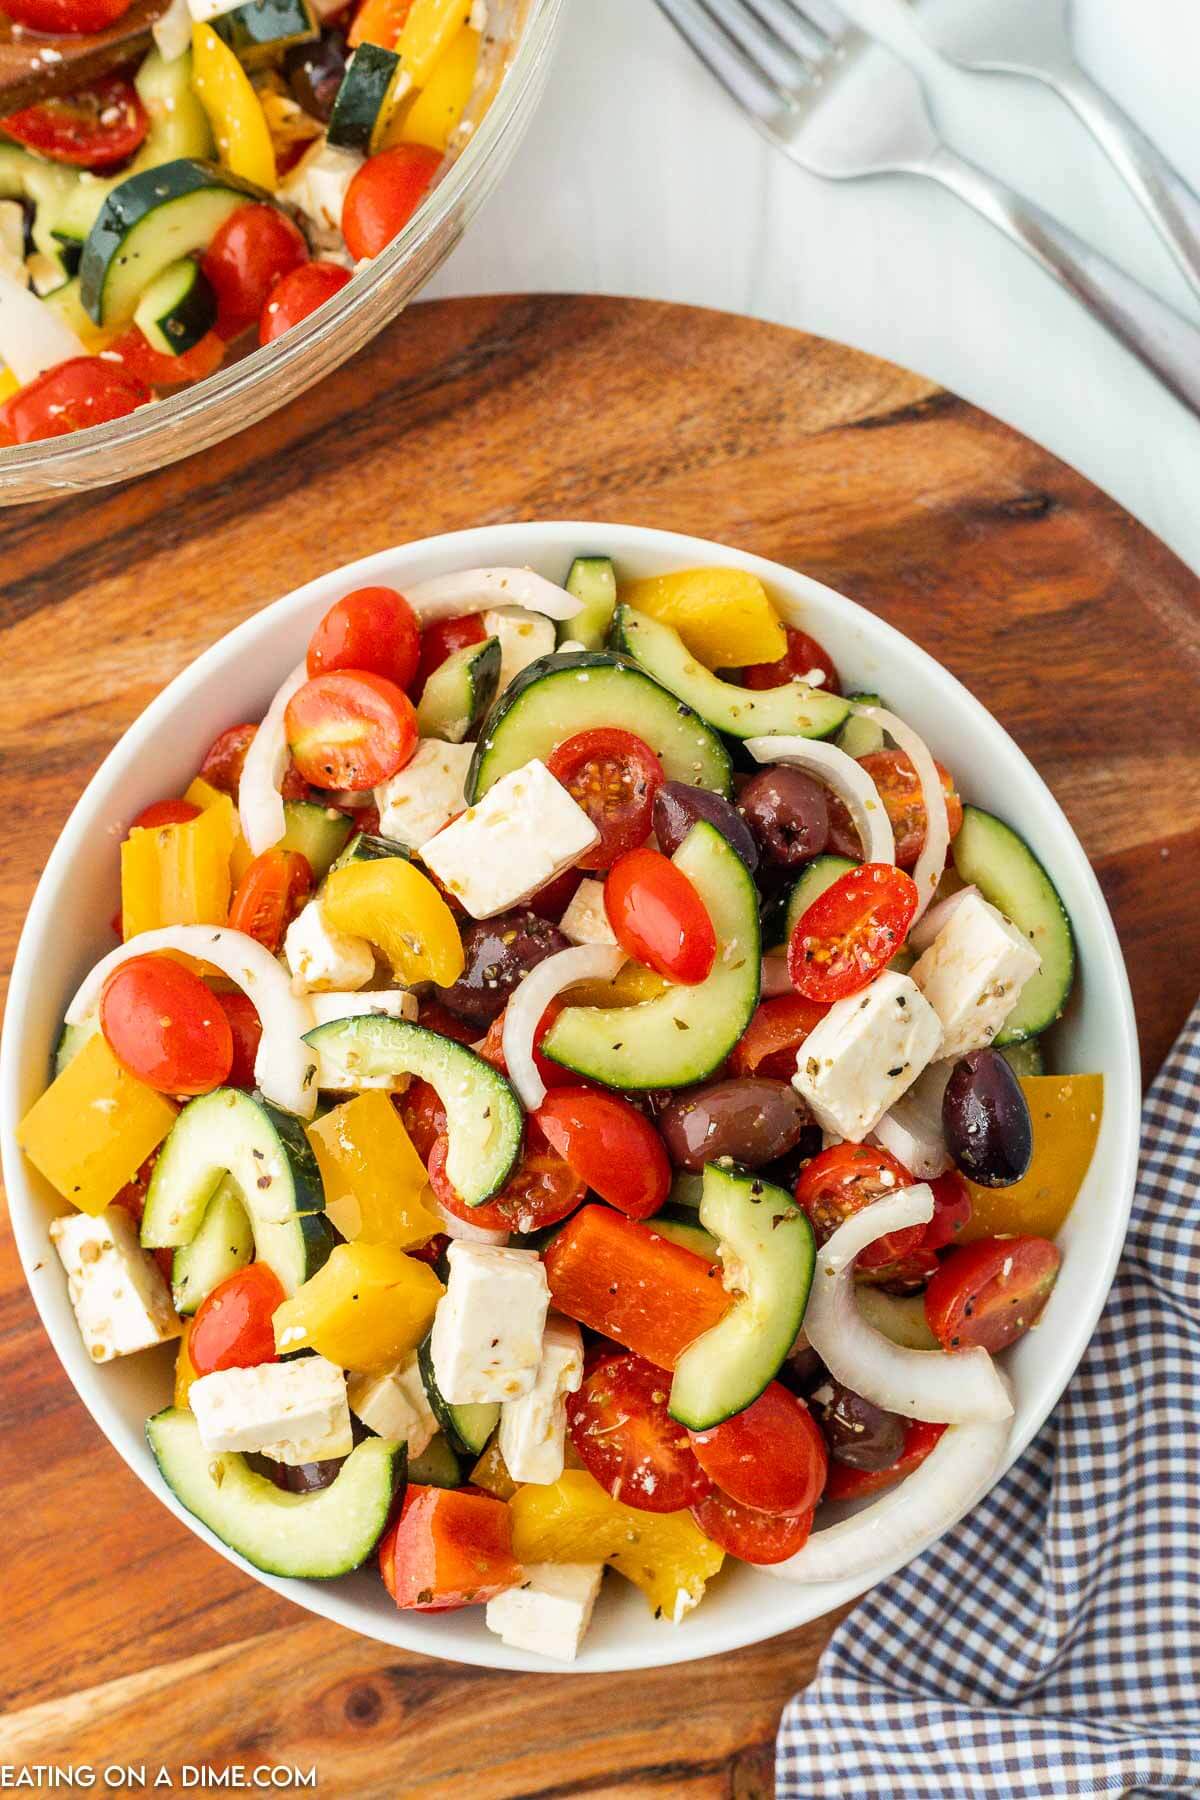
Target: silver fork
column 789, row 66
column 1033, row 38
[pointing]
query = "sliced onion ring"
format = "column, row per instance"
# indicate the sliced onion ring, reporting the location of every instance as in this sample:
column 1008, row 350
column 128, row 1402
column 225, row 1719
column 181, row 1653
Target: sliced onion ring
column 845, row 777
column 283, row 1067
column 583, row 962
column 473, row 590
column 934, row 1385
column 775, row 978
column 932, row 860
column 465, row 1229
column 936, row 918
column 912, row 1130
column 260, row 803
column 956, row 1473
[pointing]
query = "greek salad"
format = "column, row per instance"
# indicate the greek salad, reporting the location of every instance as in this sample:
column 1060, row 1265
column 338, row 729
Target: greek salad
column 215, row 193
column 571, row 1084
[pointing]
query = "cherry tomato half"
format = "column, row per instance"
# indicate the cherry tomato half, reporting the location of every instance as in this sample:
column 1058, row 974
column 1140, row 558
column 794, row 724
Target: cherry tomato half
column 610, row 1145
column 246, row 1028
column 840, row 1181
column 225, row 758
column 851, row 931
column 164, row 1026
column 846, row 1483
column 384, row 195
column 771, row 1456
column 627, row 1439
column 991, row 1292
column 233, row 1326
column 900, row 791
column 269, row 896
column 659, row 918
column 423, row 1116
column 139, row 357
column 802, row 656
column 755, row 1537
column 442, row 639
column 910, row 1274
column 613, row 775
column 373, row 628
column 350, row 729
column 951, row 1211
column 165, row 812
column 249, row 254
column 769, row 1043
column 66, row 16
column 541, row 1190
column 297, row 294
column 72, row 395
column 93, row 128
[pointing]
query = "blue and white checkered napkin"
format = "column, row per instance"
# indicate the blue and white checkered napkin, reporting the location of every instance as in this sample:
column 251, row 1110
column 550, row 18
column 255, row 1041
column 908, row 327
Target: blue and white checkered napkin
column 1050, row 1644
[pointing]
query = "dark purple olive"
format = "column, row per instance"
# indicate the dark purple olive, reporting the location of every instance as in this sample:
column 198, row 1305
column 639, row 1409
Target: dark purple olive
column 298, row 1478
column 788, row 813
column 985, row 1117
column 314, row 72
column 749, row 1119
column 859, row 1433
column 677, row 807
column 802, row 1370
column 498, row 953
column 785, row 1172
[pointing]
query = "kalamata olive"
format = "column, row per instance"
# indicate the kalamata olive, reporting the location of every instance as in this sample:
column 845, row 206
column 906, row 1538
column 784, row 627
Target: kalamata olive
column 749, row 1119
column 788, row 814
column 498, row 953
column 314, row 72
column 985, row 1117
column 785, row 1170
column 298, row 1478
column 802, row 1370
column 677, row 807
column 859, row 1433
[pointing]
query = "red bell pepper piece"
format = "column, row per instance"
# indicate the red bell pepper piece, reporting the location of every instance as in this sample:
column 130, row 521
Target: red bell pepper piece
column 449, row 1548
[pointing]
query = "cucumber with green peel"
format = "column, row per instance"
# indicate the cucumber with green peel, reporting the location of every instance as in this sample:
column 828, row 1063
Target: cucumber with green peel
column 223, row 1245
column 687, row 1233
column 262, row 30
column 459, row 692
column 810, row 884
column 1025, row 1057
column 319, row 833
column 860, row 736
column 437, row 1465
column 372, row 87
column 46, row 187
column 368, row 846
column 989, row 855
column 467, row 1427
column 177, row 309
column 593, row 580
column 71, row 1040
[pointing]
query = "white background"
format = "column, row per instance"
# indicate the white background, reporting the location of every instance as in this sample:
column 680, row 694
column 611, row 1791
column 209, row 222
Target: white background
column 639, row 177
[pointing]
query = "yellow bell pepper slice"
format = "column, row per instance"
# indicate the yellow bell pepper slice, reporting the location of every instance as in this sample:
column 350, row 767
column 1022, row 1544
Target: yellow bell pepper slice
column 435, row 110
column 179, row 874
column 202, row 794
column 365, row 1309
column 94, row 1127
column 1066, row 1111
column 428, row 31
column 9, row 385
column 185, row 1369
column 376, row 1187
column 631, row 984
column 666, row 1555
column 723, row 615
column 390, row 903
column 234, row 111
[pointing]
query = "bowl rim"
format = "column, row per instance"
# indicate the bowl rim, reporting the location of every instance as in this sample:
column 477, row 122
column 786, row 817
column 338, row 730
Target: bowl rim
column 526, row 541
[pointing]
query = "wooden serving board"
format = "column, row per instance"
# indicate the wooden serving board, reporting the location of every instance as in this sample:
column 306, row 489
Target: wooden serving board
column 126, row 1640
column 33, row 66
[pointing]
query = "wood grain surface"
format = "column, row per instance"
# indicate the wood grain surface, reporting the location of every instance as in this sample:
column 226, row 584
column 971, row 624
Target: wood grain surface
column 125, row 1640
column 34, row 65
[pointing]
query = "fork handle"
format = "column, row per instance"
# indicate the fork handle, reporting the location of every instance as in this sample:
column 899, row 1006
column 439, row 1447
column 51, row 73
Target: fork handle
column 1154, row 331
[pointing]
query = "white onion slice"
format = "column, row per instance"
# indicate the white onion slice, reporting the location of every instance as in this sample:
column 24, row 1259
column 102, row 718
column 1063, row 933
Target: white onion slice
column 940, row 1387
column 845, row 777
column 465, row 1229
column 33, row 336
column 957, row 1472
column 922, row 935
column 775, row 977
column 912, row 1130
column 284, row 1067
column 473, row 590
column 932, row 860
column 523, row 1015
column 260, row 803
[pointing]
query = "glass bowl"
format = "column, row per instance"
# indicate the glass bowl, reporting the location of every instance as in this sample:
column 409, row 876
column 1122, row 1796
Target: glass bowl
column 521, row 33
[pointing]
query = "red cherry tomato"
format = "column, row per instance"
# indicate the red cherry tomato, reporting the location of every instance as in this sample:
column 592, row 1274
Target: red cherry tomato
column 755, row 1537
column 900, row 791
column 373, row 628
column 614, row 777
column 165, row 812
column 610, row 1145
column 350, row 729
column 249, row 254
column 246, row 1028
column 851, row 931
column 771, row 1457
column 384, row 195
column 552, row 1074
column 659, row 918
column 299, row 293
column 769, row 1044
column 72, row 395
column 802, row 656
column 541, row 1190
column 164, row 1026
column 991, row 1292
column 840, row 1181
column 423, row 1116
column 233, row 1325
column 909, row 1275
column 442, row 639
column 269, row 896
column 846, row 1483
column 951, row 1211
column 628, row 1440
column 552, row 901
column 141, row 359
column 65, row 16
column 93, row 128
column 433, row 1016
column 225, row 758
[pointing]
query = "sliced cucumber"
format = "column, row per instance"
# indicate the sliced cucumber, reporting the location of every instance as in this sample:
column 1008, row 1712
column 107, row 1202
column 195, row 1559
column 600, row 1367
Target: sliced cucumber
column 859, row 736
column 71, row 1040
column 793, row 710
column 223, row 1245
column 177, row 309
column 367, row 846
column 45, row 186
column 1025, row 1057
column 371, row 88
column 593, row 580
column 437, row 1465
column 810, row 884
column 459, row 692
column 467, row 1427
column 770, row 1241
column 686, row 1232
column 1001, row 865
column 263, row 29
column 270, row 1160
column 317, row 1535
column 484, row 1120
column 319, row 833
column 557, row 696
column 685, row 1033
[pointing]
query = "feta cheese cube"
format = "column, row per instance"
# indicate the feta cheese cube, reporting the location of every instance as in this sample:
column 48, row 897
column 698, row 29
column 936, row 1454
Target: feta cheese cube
column 550, row 1611
column 294, row 1412
column 320, row 957
column 117, row 1292
column 416, row 803
column 391, row 1003
column 865, row 1053
column 973, row 972
column 533, row 1429
column 586, row 919
column 317, row 185
column 487, row 1332
column 395, row 1404
column 524, row 636
column 524, row 832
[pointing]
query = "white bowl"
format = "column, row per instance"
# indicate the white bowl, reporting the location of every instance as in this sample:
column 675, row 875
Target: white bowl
column 67, row 931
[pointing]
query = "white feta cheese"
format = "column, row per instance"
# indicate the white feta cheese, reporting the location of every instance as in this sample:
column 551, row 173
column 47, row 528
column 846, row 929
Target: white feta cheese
column 973, row 972
column 415, row 804
column 295, row 1412
column 524, row 636
column 533, row 1429
column 317, row 185
column 524, row 832
column 865, row 1053
column 550, row 1611
column 320, row 957
column 118, row 1293
column 389, row 1003
column 487, row 1332
column 204, row 11
column 12, row 241
column 586, row 919
column 395, row 1404
column 172, row 32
